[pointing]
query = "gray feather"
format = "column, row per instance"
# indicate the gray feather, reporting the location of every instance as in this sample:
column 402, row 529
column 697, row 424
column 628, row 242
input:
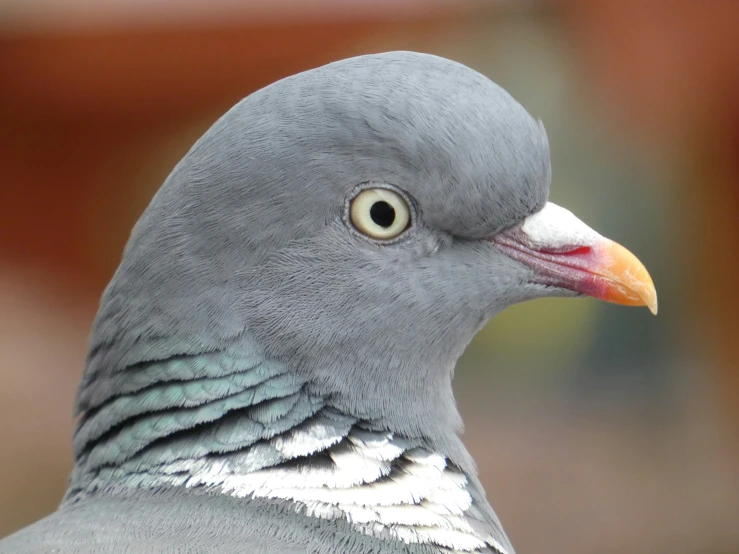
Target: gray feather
column 250, row 328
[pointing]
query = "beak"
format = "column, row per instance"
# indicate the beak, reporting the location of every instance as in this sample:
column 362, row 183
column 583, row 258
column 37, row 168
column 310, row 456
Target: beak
column 564, row 252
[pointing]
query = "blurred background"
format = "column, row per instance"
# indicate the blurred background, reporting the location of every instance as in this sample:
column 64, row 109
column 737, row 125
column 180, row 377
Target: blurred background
column 597, row 429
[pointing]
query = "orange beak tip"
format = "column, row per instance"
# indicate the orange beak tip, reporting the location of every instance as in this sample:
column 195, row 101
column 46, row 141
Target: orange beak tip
column 627, row 280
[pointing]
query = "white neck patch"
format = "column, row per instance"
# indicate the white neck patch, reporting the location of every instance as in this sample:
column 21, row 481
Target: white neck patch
column 383, row 485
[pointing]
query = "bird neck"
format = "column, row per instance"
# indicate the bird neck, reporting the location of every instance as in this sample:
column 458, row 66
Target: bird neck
column 232, row 423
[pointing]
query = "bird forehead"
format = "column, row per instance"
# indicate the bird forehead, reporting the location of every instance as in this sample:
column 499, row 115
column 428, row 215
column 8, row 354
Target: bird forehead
column 459, row 144
column 285, row 159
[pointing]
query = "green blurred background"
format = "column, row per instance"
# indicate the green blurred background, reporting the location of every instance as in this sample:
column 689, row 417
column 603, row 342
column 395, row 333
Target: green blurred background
column 597, row 429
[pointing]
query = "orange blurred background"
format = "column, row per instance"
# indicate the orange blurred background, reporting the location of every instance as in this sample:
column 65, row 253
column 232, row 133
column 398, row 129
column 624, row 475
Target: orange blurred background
column 597, row 429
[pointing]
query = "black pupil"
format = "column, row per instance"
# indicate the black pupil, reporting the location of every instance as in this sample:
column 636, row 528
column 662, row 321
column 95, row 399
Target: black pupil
column 382, row 213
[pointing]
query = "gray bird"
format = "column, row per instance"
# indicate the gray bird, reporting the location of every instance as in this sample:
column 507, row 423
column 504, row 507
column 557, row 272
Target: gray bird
column 270, row 368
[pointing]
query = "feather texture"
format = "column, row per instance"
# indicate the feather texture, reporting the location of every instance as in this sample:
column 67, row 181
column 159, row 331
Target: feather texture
column 258, row 433
column 256, row 352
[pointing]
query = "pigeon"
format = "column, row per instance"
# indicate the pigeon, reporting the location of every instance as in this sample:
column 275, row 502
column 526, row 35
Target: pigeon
column 270, row 369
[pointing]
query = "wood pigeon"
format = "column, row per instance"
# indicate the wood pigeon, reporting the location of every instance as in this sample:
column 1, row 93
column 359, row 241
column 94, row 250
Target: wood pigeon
column 270, row 370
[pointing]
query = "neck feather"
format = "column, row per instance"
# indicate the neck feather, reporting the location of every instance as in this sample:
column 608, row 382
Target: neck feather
column 238, row 425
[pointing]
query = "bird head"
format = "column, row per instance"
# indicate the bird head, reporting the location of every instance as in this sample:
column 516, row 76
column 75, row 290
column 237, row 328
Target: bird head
column 358, row 222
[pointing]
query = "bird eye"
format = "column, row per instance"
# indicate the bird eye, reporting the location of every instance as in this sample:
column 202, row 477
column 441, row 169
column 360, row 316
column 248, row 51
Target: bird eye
column 379, row 213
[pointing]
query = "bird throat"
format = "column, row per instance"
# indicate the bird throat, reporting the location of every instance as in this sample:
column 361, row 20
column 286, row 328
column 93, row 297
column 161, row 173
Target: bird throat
column 235, row 424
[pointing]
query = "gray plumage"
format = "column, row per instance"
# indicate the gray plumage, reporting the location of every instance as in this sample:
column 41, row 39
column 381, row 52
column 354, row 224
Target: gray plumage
column 248, row 318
